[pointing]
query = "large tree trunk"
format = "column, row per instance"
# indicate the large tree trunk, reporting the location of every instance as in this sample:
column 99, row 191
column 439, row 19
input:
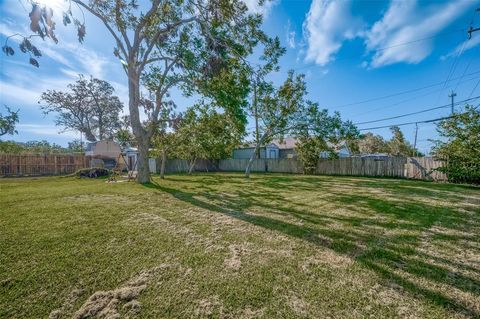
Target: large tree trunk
column 162, row 167
column 141, row 135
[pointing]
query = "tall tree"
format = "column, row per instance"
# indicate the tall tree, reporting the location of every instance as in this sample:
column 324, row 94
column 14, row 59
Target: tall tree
column 398, row 145
column 8, row 122
column 88, row 107
column 190, row 43
column 460, row 147
column 279, row 110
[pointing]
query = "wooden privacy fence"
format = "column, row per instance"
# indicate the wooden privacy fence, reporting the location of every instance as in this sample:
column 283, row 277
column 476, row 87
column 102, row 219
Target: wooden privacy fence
column 401, row 167
column 36, row 165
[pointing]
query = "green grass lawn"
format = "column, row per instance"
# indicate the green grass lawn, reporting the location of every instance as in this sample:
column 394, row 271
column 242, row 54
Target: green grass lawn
column 221, row 246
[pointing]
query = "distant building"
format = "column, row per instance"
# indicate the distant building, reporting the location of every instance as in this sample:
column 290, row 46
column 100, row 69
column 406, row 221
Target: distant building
column 285, row 149
column 268, row 151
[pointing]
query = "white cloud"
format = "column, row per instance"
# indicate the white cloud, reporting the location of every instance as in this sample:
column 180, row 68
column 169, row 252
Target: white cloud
column 290, row 36
column 327, row 25
column 405, row 21
column 254, row 7
column 463, row 47
column 45, row 130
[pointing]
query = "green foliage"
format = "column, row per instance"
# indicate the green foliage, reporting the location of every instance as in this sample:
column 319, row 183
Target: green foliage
column 76, row 146
column 203, row 133
column 370, row 143
column 8, row 122
column 11, row 147
column 398, row 146
column 37, row 147
column 321, row 133
column 461, row 146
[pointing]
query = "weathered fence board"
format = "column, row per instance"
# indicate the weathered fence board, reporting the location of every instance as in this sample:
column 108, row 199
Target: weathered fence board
column 424, row 168
column 35, row 165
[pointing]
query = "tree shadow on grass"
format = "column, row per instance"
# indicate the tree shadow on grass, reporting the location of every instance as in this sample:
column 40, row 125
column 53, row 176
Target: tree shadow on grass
column 382, row 253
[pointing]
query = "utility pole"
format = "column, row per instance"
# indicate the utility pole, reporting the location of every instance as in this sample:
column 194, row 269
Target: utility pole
column 472, row 29
column 415, row 141
column 452, row 95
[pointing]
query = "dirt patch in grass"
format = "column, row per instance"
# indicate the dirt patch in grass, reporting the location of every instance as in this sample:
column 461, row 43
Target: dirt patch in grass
column 234, row 261
column 106, row 304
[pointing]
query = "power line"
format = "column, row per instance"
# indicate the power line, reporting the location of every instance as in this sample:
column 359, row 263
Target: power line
column 418, row 112
column 410, row 123
column 474, row 88
column 409, row 99
column 399, row 93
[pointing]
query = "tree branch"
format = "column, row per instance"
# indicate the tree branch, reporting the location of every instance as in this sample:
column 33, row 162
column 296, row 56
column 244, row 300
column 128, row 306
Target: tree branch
column 105, row 22
column 157, row 36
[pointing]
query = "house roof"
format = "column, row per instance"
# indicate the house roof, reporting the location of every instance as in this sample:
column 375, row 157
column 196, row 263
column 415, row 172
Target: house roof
column 286, row 143
column 90, row 146
column 291, row 142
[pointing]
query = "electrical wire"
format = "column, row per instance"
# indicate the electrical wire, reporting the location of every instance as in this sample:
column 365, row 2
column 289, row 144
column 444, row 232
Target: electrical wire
column 416, row 122
column 398, row 93
column 409, row 99
column 418, row 112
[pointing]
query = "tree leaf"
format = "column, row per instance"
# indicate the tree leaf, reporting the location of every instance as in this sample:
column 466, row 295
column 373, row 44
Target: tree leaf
column 35, row 16
column 66, row 19
column 36, row 52
column 81, row 32
column 22, row 47
column 28, row 44
column 8, row 50
column 34, row 62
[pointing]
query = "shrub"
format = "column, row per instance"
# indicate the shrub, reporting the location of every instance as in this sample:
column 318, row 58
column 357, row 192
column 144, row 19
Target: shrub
column 92, row 172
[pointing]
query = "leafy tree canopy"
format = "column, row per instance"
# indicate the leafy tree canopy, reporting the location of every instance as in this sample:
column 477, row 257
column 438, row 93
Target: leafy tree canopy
column 8, row 122
column 460, row 146
column 88, row 107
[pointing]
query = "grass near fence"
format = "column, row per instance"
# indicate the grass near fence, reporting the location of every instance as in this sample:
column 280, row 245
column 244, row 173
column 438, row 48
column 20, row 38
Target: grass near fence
column 218, row 245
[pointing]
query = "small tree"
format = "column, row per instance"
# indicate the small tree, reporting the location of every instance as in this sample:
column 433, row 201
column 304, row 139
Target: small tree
column 322, row 133
column 461, row 146
column 88, row 107
column 398, row 145
column 76, row 146
column 204, row 133
column 370, row 143
column 8, row 122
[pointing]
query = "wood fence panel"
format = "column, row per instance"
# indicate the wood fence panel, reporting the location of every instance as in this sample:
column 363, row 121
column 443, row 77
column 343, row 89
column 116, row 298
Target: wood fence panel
column 37, row 165
column 424, row 168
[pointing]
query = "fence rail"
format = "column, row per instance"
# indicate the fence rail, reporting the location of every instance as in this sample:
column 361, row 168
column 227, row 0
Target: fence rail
column 401, row 167
column 37, row 165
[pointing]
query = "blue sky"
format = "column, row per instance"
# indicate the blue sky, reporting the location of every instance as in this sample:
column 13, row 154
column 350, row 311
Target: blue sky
column 350, row 52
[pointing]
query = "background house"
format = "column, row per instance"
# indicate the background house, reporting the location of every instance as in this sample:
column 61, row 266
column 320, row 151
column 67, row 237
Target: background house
column 286, row 149
column 268, row 151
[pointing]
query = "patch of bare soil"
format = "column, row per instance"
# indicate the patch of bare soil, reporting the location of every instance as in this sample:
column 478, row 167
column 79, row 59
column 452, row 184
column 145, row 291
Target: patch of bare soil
column 208, row 307
column 298, row 305
column 234, row 261
column 106, row 304
column 67, row 305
